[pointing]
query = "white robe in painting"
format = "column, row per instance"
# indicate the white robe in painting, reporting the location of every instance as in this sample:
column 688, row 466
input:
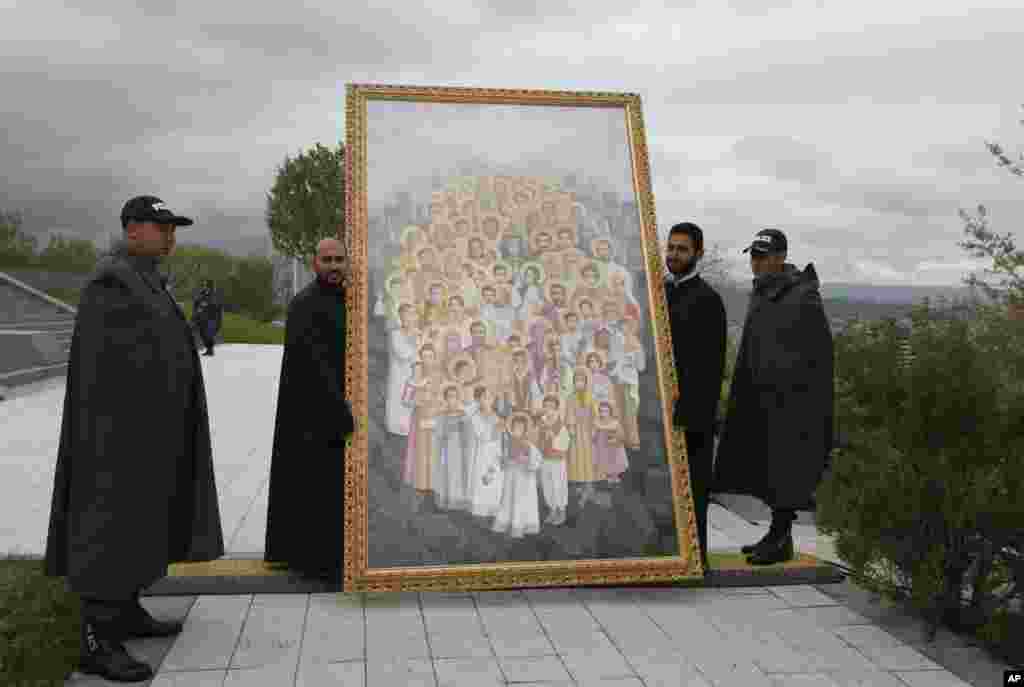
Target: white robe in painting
column 533, row 300
column 501, row 318
column 487, row 474
column 401, row 355
column 519, row 511
column 453, row 451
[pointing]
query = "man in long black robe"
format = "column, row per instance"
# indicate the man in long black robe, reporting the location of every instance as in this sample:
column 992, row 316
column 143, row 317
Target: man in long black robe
column 134, row 486
column 778, row 431
column 305, row 512
column 697, row 318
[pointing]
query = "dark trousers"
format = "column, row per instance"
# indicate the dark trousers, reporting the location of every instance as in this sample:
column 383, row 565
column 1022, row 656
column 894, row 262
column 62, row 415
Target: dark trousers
column 207, row 334
column 700, row 449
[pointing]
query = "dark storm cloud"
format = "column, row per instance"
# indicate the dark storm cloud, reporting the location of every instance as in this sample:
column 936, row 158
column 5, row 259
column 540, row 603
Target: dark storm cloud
column 138, row 109
column 785, row 158
column 198, row 102
column 842, row 69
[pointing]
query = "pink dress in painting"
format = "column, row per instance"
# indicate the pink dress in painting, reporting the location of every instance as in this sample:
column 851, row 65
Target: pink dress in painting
column 609, row 454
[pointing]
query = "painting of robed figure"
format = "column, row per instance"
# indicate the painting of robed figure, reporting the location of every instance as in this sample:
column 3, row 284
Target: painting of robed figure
column 509, row 346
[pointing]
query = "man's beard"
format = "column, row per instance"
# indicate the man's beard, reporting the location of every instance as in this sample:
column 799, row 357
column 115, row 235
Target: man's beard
column 687, row 268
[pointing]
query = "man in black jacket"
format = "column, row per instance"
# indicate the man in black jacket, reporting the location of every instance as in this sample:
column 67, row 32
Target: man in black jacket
column 697, row 317
column 778, row 430
column 134, row 485
column 306, row 508
column 206, row 315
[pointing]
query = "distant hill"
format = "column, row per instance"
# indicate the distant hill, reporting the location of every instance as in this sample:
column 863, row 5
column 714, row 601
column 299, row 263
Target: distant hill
column 891, row 294
column 846, row 301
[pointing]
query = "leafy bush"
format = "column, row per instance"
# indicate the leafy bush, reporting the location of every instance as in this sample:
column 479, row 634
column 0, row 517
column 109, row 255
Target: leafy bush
column 68, row 255
column 17, row 249
column 241, row 329
column 925, row 502
column 246, row 285
column 39, row 624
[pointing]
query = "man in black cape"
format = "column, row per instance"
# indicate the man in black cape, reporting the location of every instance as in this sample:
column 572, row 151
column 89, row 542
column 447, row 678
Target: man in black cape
column 134, row 486
column 778, row 431
column 697, row 317
column 305, row 510
column 207, row 313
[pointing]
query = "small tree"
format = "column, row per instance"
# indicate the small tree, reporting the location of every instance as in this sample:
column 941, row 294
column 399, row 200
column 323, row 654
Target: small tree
column 17, row 249
column 307, row 201
column 69, row 255
column 250, row 287
column 982, row 242
column 190, row 264
column 1006, row 260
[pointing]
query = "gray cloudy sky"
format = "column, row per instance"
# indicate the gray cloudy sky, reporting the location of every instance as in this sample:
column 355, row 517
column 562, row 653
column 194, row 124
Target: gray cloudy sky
column 857, row 127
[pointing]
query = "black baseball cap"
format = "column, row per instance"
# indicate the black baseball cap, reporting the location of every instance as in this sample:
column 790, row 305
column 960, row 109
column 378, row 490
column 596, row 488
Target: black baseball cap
column 150, row 209
column 768, row 241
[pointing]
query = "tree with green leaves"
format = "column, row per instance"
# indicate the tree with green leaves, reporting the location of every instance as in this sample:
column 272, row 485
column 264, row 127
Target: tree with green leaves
column 1007, row 262
column 17, row 249
column 307, row 201
column 69, row 255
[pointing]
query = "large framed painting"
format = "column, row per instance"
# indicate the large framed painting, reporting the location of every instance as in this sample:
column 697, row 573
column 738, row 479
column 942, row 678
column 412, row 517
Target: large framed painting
column 509, row 350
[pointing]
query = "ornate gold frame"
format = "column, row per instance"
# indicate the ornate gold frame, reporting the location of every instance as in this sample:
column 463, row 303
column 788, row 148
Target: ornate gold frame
column 357, row 575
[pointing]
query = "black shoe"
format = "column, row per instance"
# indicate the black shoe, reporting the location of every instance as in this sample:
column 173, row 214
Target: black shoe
column 138, row 623
column 775, row 551
column 109, row 659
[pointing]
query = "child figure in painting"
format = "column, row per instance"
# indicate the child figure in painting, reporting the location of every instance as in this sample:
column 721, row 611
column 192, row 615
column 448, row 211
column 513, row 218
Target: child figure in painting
column 600, row 384
column 486, row 474
column 453, row 447
column 609, row 452
column 519, row 512
column 554, row 447
column 417, row 471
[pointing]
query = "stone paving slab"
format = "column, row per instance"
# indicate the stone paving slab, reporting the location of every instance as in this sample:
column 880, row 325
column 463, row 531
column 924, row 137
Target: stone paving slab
column 768, row 636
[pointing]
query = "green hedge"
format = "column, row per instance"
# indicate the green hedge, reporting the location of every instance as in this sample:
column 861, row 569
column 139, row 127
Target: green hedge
column 237, row 328
column 925, row 502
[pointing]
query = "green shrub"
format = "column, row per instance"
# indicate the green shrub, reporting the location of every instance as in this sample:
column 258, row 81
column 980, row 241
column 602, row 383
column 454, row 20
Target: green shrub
column 39, row 625
column 241, row 329
column 925, row 502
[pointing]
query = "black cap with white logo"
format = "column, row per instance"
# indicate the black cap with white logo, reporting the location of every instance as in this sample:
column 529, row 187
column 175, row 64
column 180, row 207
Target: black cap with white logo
column 150, row 209
column 768, row 242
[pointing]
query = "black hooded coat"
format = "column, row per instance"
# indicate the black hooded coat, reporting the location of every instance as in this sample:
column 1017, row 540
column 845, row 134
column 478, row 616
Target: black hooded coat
column 305, row 511
column 778, row 429
column 134, row 485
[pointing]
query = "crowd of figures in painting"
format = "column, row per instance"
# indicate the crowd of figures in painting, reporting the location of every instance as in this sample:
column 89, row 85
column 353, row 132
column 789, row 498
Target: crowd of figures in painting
column 515, row 348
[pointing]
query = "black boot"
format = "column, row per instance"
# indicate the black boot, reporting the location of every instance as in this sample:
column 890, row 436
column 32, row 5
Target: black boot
column 107, row 657
column 777, row 547
column 138, row 623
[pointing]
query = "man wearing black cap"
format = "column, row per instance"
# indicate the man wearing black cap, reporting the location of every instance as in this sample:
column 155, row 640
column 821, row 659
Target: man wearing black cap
column 134, row 485
column 778, row 430
column 697, row 317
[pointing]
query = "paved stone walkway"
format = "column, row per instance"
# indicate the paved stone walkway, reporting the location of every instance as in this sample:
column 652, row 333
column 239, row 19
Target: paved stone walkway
column 757, row 637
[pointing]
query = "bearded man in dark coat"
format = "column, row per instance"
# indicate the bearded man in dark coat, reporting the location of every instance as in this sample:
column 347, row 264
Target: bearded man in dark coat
column 305, row 512
column 778, row 432
column 134, row 487
column 697, row 317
